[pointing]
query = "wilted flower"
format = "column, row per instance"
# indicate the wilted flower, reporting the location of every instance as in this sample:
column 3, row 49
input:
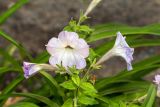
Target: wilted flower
column 120, row 48
column 32, row 68
column 157, row 82
column 68, row 49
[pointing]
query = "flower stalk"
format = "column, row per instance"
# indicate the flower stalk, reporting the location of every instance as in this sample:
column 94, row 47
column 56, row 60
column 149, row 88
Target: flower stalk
column 75, row 100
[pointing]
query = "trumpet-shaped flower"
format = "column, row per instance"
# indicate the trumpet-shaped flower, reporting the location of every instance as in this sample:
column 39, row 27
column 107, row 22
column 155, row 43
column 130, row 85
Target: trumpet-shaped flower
column 32, row 68
column 157, row 82
column 68, row 49
column 91, row 6
column 120, row 48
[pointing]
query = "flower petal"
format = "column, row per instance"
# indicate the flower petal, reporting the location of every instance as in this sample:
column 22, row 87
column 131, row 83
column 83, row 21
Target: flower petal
column 32, row 68
column 68, row 59
column 121, row 48
column 57, row 58
column 54, row 45
column 129, row 67
column 120, row 40
column 82, row 48
column 80, row 62
column 68, row 38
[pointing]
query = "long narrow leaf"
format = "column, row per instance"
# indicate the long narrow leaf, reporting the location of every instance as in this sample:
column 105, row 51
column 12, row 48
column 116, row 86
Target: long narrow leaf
column 10, row 87
column 102, row 49
column 53, row 82
column 104, row 32
column 138, row 67
column 150, row 97
column 22, row 50
column 10, row 58
column 12, row 10
column 43, row 99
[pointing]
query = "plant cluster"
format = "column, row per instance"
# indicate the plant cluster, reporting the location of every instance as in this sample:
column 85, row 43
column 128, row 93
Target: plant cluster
column 69, row 79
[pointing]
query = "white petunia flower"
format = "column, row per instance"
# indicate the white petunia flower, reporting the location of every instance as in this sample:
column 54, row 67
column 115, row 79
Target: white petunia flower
column 32, row 68
column 68, row 49
column 120, row 48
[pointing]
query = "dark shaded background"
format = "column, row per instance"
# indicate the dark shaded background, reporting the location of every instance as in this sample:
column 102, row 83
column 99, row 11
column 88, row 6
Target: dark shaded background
column 35, row 23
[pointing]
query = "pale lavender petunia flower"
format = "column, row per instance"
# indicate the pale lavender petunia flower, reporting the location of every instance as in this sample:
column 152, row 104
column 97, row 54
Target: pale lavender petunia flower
column 68, row 49
column 32, row 68
column 120, row 48
column 157, row 82
column 157, row 79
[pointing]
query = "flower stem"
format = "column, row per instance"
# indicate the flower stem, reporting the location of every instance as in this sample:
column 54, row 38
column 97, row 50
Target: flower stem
column 86, row 74
column 75, row 98
column 105, row 57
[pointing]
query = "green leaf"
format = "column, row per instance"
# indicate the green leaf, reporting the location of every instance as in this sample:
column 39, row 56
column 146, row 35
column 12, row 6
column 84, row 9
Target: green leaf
column 76, row 79
column 24, row 104
column 12, row 10
column 144, row 42
column 125, row 87
column 53, row 82
column 10, row 59
column 42, row 57
column 122, row 104
column 68, row 103
column 6, row 69
column 151, row 94
column 103, row 48
column 10, row 87
column 133, row 105
column 110, row 102
column 43, row 99
column 88, row 86
column 22, row 50
column 92, row 56
column 131, row 96
column 68, row 85
column 104, row 99
column 106, row 31
column 139, row 67
column 87, row 100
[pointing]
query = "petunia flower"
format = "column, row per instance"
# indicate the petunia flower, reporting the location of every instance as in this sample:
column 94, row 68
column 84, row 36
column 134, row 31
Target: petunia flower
column 120, row 48
column 157, row 82
column 32, row 68
column 157, row 79
column 68, row 49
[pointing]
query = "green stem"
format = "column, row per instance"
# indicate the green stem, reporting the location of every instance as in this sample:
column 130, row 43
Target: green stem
column 75, row 98
column 86, row 74
column 88, row 71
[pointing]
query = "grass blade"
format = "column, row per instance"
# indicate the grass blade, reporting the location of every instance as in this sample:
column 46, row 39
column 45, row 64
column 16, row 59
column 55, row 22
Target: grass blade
column 22, row 50
column 43, row 99
column 12, row 10
column 105, row 32
column 151, row 94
